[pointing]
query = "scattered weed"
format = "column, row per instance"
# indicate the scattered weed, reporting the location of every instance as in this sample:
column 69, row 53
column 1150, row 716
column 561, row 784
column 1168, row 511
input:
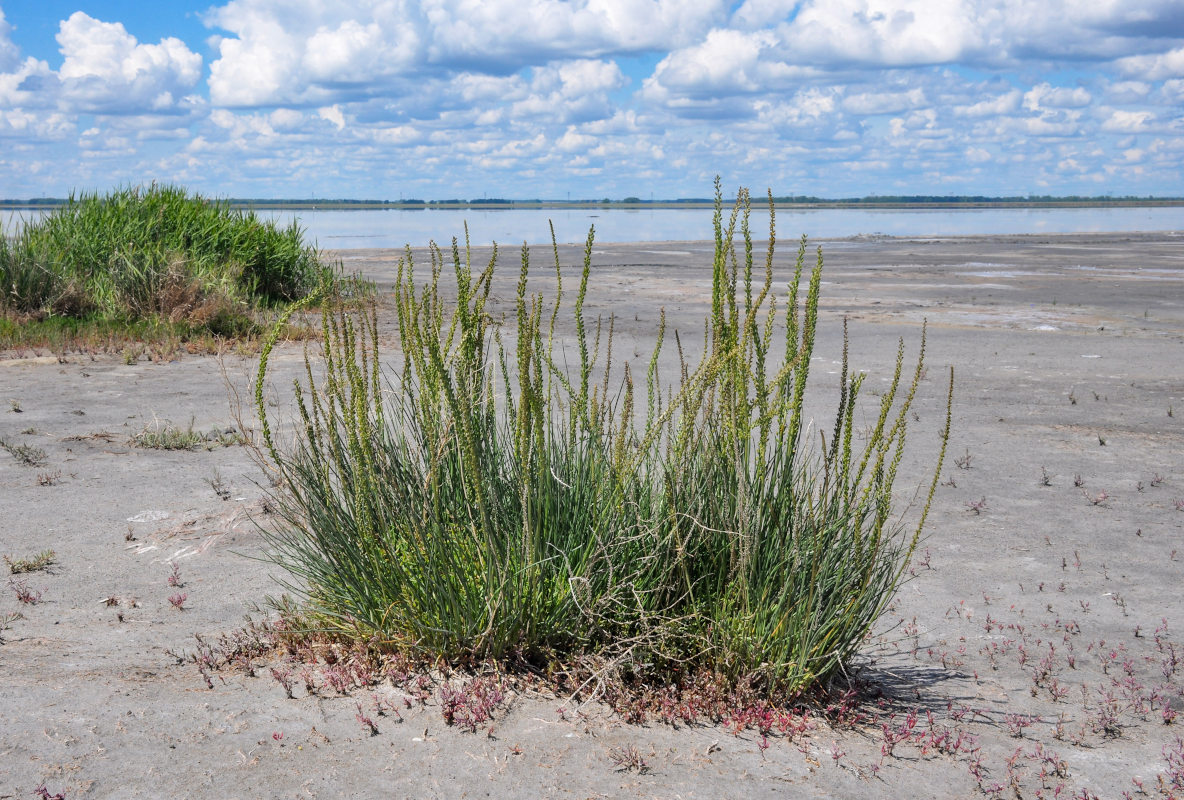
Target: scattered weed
column 49, row 478
column 27, row 455
column 33, row 564
column 6, row 620
column 23, row 593
column 628, row 758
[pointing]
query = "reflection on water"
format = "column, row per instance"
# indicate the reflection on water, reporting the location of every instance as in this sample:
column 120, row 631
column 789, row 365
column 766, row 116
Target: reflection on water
column 391, row 228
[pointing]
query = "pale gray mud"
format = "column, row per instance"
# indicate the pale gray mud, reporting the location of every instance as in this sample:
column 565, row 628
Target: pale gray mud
column 1037, row 641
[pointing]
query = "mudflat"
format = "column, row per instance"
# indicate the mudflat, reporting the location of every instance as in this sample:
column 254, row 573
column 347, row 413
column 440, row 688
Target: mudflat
column 1035, row 650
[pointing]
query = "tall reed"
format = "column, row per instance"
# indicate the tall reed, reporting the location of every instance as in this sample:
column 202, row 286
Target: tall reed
column 485, row 502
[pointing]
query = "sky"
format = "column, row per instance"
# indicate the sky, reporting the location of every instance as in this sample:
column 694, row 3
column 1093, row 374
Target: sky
column 557, row 99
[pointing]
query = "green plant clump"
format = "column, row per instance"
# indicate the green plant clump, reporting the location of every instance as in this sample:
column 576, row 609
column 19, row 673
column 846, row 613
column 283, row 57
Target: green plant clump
column 38, row 562
column 154, row 253
column 488, row 504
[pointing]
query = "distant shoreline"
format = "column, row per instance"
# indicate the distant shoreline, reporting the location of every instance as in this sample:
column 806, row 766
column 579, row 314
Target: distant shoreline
column 330, row 205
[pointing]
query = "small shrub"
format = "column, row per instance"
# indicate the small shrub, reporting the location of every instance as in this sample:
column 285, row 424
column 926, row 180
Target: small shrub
column 490, row 504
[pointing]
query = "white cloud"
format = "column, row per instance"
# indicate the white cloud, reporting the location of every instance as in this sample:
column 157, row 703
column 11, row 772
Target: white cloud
column 31, row 85
column 1045, row 95
column 760, row 13
column 16, row 122
column 885, row 32
column 884, row 102
column 1127, row 91
column 106, row 70
column 10, row 54
column 1128, row 121
column 1154, row 67
column 306, row 51
column 572, row 90
column 509, row 31
column 995, row 106
column 727, row 60
column 375, row 93
column 333, row 114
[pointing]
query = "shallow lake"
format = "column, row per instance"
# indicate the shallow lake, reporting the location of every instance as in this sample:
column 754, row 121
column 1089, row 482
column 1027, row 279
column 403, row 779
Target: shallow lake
column 396, row 228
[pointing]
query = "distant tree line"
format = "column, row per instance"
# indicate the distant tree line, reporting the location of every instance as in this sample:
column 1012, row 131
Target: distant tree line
column 791, row 199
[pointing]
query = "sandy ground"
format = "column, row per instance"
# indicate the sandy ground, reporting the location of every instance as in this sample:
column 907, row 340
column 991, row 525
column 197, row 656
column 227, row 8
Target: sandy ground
column 1037, row 642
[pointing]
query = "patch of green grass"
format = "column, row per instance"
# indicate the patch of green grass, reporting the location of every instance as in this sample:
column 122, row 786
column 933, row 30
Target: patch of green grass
column 38, row 562
column 487, row 503
column 153, row 254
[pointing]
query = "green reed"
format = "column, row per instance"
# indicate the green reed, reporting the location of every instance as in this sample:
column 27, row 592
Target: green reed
column 155, row 252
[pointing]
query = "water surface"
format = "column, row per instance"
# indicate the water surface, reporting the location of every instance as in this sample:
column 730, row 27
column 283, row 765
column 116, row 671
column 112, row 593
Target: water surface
column 396, row 228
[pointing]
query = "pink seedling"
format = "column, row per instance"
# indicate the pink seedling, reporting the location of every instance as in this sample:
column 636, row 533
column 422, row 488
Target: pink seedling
column 1016, row 723
column 23, row 593
column 44, row 794
column 175, row 576
column 365, row 721
column 837, row 753
column 977, row 506
column 178, row 600
column 473, row 704
column 283, row 676
column 1173, row 754
column 1098, row 499
column 384, row 706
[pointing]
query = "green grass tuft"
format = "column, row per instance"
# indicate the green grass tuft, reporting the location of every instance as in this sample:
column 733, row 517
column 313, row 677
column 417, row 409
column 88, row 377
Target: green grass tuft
column 155, row 253
column 488, row 504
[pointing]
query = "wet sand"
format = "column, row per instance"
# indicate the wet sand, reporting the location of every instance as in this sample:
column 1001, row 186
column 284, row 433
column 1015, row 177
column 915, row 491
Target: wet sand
column 1040, row 627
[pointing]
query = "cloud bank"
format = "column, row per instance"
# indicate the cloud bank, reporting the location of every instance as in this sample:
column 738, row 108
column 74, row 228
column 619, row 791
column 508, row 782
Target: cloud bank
column 538, row 98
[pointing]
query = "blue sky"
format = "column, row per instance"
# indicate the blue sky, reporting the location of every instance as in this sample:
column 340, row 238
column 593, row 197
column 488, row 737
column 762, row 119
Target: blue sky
column 591, row 98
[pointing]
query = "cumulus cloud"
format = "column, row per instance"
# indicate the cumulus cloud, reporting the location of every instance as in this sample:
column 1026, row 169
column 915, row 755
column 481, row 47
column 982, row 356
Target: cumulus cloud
column 451, row 92
column 1048, row 96
column 571, row 90
column 106, row 70
column 1154, row 67
column 991, row 107
column 10, row 54
column 886, row 32
column 1128, row 121
column 306, row 51
column 884, row 102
